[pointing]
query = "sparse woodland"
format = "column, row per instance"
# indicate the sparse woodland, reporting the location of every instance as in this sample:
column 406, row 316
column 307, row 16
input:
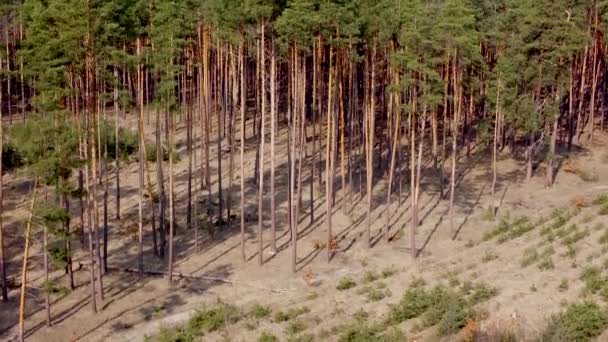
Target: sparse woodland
column 345, row 92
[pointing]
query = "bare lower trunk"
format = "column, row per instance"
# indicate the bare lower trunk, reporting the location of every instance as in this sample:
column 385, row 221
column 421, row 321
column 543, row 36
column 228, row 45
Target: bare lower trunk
column 2, row 256
column 273, row 113
column 261, row 158
column 243, row 109
column 47, row 299
column 26, row 250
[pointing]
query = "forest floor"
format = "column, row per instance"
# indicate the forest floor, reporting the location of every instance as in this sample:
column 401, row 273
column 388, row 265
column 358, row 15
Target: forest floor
column 527, row 292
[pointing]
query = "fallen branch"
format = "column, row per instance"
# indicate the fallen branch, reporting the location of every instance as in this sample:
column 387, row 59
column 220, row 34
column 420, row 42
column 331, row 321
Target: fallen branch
column 218, row 279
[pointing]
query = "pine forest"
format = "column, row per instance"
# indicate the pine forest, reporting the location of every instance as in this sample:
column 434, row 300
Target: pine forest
column 304, row 170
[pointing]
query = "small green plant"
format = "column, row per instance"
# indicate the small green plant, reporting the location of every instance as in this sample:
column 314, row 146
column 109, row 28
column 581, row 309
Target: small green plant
column 207, row 320
column 363, row 332
column 292, row 313
column 603, row 211
column 508, row 229
column 563, row 285
column 258, row 311
column 312, row 296
column 593, row 279
column 481, row 292
column 346, row 283
column 546, row 264
column 600, row 199
column 470, row 244
column 579, row 322
column 530, row 257
column 374, row 295
column 52, row 288
column 489, row 256
column 570, row 252
column 370, row 276
column 533, row 288
column 414, row 302
column 296, row 327
column 267, row 337
column 388, row 272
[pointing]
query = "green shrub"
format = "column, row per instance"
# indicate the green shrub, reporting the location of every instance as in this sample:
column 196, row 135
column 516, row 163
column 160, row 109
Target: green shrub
column 603, row 210
column 414, row 302
column 482, row 292
column 207, row 320
column 508, row 229
column 388, row 272
column 266, row 337
column 362, row 332
column 370, row 276
column 579, row 322
column 128, row 141
column 530, row 257
column 489, row 256
column 600, row 199
column 258, row 311
column 546, row 264
column 346, row 283
column 604, row 238
column 563, row 285
column 11, row 157
column 593, row 279
column 295, row 327
column 290, row 314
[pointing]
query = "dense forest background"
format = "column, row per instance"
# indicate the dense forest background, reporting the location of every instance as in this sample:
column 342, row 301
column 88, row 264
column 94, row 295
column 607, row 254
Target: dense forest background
column 366, row 90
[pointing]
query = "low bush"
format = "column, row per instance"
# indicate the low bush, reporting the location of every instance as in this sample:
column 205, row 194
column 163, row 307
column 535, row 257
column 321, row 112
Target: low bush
column 345, row 284
column 579, row 322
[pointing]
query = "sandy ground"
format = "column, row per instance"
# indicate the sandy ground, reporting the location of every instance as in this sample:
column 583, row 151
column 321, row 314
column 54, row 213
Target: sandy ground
column 133, row 308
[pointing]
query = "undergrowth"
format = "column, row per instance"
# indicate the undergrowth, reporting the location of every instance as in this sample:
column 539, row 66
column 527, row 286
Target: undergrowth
column 579, row 322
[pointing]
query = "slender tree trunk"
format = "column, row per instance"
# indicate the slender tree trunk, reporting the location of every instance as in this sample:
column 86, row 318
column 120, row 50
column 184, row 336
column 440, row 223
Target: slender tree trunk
column 444, row 125
column 416, row 195
column 457, row 111
column 302, row 97
column 315, row 115
column 261, row 158
column 495, row 150
column 47, row 299
column 141, row 157
column 390, row 176
column 162, row 198
column 231, row 131
column 329, row 148
column 594, row 78
column 89, row 219
column 26, row 250
column 243, row 110
column 570, row 107
column 370, row 146
column 116, row 143
column 68, row 247
column 219, row 145
column 188, row 101
column 8, row 79
column 581, row 100
column 273, row 113
column 2, row 255
column 171, row 193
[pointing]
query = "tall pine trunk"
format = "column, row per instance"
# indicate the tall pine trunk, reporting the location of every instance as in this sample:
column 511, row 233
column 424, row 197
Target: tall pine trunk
column 273, row 113
column 26, row 250
column 243, row 110
column 4, row 284
column 261, row 157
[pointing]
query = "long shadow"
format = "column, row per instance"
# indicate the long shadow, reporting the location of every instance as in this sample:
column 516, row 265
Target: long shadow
column 472, row 208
